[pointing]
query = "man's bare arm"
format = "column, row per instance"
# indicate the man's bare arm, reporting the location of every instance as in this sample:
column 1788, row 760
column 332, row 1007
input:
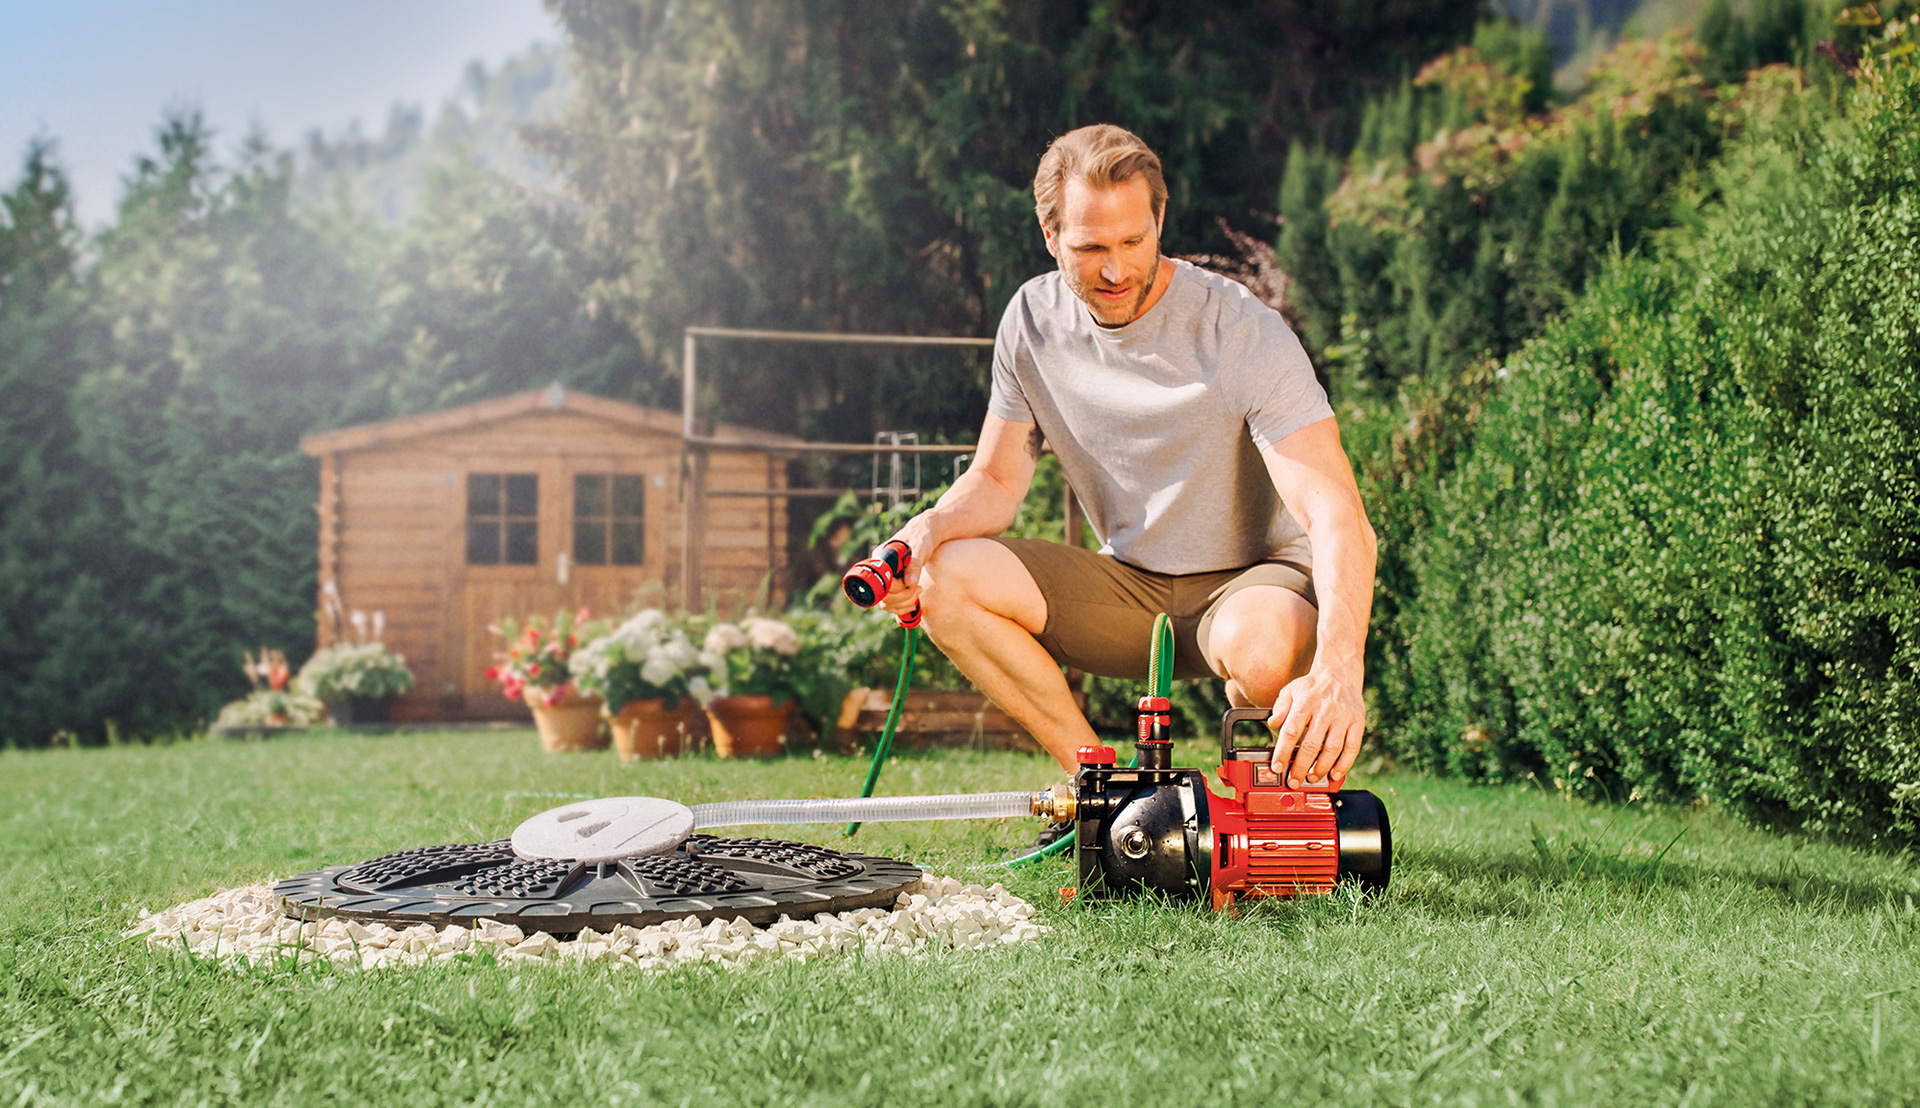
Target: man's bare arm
column 982, row 501
column 1322, row 716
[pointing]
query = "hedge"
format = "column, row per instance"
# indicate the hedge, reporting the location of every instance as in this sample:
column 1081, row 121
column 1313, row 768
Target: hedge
column 1681, row 555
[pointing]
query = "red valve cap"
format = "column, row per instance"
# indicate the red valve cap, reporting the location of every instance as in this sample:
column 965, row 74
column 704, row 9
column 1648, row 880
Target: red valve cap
column 1096, row 756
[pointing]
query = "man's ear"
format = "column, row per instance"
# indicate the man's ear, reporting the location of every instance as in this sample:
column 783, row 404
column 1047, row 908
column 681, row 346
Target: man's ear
column 1048, row 235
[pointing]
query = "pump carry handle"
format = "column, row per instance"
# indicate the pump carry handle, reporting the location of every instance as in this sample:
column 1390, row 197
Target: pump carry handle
column 1264, row 753
column 1232, row 753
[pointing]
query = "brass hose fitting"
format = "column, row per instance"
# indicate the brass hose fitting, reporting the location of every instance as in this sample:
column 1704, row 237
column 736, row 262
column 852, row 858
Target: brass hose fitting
column 1055, row 805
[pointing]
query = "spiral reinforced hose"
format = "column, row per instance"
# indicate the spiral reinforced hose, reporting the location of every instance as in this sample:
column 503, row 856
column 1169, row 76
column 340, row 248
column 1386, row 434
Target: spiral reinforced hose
column 877, row 809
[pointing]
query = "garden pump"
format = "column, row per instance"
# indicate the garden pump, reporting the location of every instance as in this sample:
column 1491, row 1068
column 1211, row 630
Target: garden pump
column 869, row 581
column 1156, row 829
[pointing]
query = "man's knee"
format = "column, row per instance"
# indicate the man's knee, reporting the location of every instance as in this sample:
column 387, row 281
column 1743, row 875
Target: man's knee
column 1261, row 639
column 969, row 576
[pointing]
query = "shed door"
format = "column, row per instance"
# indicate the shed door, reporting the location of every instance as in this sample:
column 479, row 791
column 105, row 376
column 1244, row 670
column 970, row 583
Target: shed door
column 511, row 548
column 613, row 542
column 567, row 534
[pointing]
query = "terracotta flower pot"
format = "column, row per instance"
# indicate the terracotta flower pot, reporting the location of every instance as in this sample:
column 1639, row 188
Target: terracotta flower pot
column 571, row 725
column 748, row 726
column 647, row 729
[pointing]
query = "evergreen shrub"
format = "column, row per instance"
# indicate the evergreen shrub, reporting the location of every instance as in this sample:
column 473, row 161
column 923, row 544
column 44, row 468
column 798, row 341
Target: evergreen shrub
column 1682, row 552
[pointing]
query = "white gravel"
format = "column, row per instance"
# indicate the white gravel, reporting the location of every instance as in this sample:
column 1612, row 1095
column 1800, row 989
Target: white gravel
column 939, row 913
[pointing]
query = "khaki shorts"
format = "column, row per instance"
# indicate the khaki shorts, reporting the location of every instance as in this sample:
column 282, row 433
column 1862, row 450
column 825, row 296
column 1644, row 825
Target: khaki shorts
column 1100, row 609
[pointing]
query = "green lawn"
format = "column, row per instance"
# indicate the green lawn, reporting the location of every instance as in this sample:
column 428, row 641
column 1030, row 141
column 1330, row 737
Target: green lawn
column 1529, row 951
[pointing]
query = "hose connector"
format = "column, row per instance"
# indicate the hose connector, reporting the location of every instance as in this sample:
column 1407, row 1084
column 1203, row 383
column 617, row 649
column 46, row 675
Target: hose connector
column 1055, row 805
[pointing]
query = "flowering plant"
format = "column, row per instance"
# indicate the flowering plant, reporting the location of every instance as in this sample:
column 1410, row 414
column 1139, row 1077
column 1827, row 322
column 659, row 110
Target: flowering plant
column 540, row 656
column 754, row 657
column 270, row 703
column 645, row 658
column 272, row 707
column 354, row 669
column 271, row 668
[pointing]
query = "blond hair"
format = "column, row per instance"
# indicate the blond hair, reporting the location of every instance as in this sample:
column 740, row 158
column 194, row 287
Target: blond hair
column 1103, row 156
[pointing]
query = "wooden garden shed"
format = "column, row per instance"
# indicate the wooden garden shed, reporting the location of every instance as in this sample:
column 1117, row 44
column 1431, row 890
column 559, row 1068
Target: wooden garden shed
column 527, row 505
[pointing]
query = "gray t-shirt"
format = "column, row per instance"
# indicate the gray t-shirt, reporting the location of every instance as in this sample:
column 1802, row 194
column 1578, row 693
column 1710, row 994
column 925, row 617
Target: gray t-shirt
column 1159, row 424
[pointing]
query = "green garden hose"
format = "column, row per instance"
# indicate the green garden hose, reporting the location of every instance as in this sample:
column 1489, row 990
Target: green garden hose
column 1160, row 661
column 885, row 746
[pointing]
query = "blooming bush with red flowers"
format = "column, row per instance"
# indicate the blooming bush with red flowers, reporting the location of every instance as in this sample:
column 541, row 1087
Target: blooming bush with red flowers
column 538, row 655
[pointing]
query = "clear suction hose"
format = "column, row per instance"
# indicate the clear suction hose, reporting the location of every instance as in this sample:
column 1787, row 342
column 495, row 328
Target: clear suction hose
column 876, row 809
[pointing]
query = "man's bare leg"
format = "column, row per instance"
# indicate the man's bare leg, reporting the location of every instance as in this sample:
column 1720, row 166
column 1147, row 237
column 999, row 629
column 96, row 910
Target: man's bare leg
column 1262, row 638
column 983, row 609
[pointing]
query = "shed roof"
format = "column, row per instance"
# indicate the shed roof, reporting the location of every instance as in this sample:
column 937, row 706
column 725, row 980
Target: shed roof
column 553, row 398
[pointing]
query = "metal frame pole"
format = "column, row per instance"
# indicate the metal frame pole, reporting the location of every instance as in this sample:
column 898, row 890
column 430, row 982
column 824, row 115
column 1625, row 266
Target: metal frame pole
column 693, row 476
column 695, row 447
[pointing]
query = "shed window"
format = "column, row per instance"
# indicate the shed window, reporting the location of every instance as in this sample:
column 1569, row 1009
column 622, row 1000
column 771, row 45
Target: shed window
column 503, row 527
column 609, row 519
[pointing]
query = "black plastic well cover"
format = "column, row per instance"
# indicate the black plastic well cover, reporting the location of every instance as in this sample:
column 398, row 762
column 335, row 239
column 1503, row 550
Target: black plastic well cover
column 758, row 880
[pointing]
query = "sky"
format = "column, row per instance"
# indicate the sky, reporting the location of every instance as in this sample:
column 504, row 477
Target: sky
column 96, row 75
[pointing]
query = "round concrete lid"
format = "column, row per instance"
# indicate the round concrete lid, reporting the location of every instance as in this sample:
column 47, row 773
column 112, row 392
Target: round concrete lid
column 605, row 830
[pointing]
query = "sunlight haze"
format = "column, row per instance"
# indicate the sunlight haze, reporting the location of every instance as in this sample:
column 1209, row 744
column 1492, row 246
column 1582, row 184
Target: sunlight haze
column 96, row 76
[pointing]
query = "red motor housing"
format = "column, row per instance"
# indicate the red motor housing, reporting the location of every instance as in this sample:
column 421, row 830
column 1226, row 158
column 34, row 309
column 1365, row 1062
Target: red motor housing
column 1269, row 839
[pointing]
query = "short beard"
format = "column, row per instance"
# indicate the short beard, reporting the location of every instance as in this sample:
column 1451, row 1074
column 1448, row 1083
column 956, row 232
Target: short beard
column 1093, row 306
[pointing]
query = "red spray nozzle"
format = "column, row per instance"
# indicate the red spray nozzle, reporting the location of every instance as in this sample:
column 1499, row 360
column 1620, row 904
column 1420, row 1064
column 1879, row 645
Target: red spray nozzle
column 869, row 581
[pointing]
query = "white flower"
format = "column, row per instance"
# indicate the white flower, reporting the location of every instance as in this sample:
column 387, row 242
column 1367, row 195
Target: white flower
column 658, row 671
column 701, row 690
column 772, row 634
column 594, row 659
column 725, row 637
column 640, row 633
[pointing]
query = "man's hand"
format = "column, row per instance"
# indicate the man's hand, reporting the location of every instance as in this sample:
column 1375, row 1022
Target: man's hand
column 905, row 594
column 1318, row 723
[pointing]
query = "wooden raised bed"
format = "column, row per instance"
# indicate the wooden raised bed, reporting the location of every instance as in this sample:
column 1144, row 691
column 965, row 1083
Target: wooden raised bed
column 930, row 719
